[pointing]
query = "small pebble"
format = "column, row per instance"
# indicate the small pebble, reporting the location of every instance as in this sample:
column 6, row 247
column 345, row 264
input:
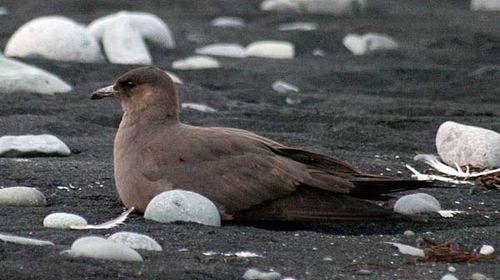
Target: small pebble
column 195, row 63
column 136, row 241
column 368, row 43
column 228, row 22
column 486, row 250
column 284, row 87
column 254, row 274
column 198, row 107
column 409, row 233
column 28, row 145
column 179, row 205
column 478, row 276
column 63, row 220
column 229, row 50
column 416, row 203
column 271, row 49
column 452, row 269
column 298, row 26
column 24, row 240
column 449, row 277
column 99, row 248
column 22, row 196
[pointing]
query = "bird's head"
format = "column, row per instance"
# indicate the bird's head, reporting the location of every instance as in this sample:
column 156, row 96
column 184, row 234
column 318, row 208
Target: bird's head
column 143, row 89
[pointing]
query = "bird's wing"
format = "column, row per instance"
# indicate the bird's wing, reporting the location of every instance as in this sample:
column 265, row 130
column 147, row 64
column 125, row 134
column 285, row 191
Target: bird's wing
column 235, row 168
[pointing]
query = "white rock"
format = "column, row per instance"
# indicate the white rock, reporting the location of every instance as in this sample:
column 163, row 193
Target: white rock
column 281, row 6
column 449, row 276
column 63, row 220
column 179, row 205
column 22, row 196
column 254, row 274
column 452, row 269
column 408, row 250
column 485, row 5
column 228, row 22
column 271, row 49
column 24, row 240
column 293, row 100
column 318, row 52
column 123, row 44
column 149, row 26
column 284, row 87
column 463, row 144
column 198, row 107
column 99, row 248
column 298, row 26
column 195, row 62
column 486, row 250
column 333, row 7
column 174, row 78
column 33, row 144
column 409, row 233
column 229, row 50
column 370, row 42
column 478, row 276
column 3, row 11
column 136, row 241
column 416, row 203
column 17, row 76
column 54, row 37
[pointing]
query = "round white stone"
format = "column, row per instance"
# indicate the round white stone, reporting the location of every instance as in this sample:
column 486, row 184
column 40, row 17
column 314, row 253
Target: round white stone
column 198, row 107
column 99, row 248
column 229, row 50
column 409, row 233
column 486, row 250
column 280, row 6
column 449, row 276
column 22, row 196
column 271, row 49
column 284, row 87
column 136, row 241
column 463, row 144
column 54, row 37
column 298, row 26
column 179, row 205
column 24, row 240
column 149, row 26
column 195, row 63
column 123, row 44
column 228, row 22
column 63, row 220
column 478, row 276
column 33, row 144
column 485, row 5
column 333, row 7
column 18, row 76
column 416, row 203
column 254, row 274
column 368, row 43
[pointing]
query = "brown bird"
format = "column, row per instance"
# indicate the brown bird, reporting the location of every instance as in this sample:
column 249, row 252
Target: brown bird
column 247, row 176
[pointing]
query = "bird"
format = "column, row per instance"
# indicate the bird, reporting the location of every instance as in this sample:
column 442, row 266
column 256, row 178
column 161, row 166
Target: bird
column 247, row 176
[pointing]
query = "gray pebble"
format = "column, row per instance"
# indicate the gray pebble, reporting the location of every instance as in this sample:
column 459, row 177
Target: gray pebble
column 416, row 203
column 63, row 220
column 254, row 274
column 99, row 248
column 364, row 272
column 136, row 241
column 409, row 233
column 22, row 196
column 24, row 240
column 449, row 276
column 179, row 205
column 478, row 276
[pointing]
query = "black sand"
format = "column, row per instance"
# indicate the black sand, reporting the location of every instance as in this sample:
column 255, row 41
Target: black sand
column 375, row 111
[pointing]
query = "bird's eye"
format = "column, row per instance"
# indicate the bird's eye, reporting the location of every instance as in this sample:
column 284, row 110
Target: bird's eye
column 130, row 84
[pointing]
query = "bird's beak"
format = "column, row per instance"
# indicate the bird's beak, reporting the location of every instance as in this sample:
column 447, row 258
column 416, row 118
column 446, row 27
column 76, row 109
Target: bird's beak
column 108, row 91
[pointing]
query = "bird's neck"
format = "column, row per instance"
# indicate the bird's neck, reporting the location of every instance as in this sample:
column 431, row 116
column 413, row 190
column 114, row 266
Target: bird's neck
column 153, row 114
